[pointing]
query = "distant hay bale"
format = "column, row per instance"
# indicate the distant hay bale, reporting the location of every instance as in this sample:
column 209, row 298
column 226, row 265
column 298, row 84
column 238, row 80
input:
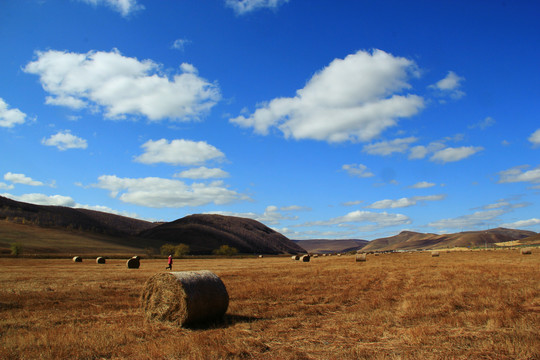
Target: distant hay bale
column 361, row 257
column 526, row 251
column 295, row 257
column 305, row 258
column 100, row 260
column 133, row 263
column 77, row 259
column 260, row 256
column 434, row 254
column 185, row 297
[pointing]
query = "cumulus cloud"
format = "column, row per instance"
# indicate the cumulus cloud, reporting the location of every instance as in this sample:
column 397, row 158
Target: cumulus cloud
column 360, row 94
column 122, row 85
column 450, row 85
column 422, row 185
column 535, row 138
column 404, row 202
column 64, row 140
column 5, row 186
column 179, row 44
column 157, row 192
column 21, row 179
column 10, row 117
column 518, row 174
column 357, row 170
column 475, row 220
column 178, row 152
column 522, row 224
column 42, row 199
column 386, row 148
column 202, row 173
column 383, row 219
column 67, row 201
column 484, row 124
column 451, row 154
column 124, row 7
column 242, row 7
column 272, row 215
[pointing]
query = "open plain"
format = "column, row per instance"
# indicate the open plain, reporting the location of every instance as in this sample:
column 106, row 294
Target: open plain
column 460, row 305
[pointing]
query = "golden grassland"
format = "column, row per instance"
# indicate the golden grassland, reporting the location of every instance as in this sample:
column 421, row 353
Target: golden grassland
column 468, row 305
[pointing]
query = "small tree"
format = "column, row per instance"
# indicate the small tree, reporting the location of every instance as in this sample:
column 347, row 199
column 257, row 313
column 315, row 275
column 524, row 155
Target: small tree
column 16, row 249
column 167, row 249
column 181, row 250
column 226, row 250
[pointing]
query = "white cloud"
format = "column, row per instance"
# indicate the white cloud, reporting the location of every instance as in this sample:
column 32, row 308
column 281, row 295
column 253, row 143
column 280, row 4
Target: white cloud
column 202, row 173
column 5, row 186
column 21, row 179
column 179, row 44
column 64, row 140
column 522, row 223
column 477, row 219
column 60, row 200
column 380, row 219
column 157, row 192
column 42, row 199
column 271, row 215
column 535, row 138
column 10, row 117
column 352, row 203
column 122, row 85
column 178, row 152
column 422, row 185
column 357, row 170
column 404, row 202
column 386, row 148
column 450, row 85
column 360, row 94
column 451, row 154
column 517, row 174
column 242, row 7
column 124, row 7
column 484, row 124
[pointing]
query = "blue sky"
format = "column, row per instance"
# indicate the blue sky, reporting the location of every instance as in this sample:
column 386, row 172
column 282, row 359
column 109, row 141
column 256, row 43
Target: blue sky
column 321, row 119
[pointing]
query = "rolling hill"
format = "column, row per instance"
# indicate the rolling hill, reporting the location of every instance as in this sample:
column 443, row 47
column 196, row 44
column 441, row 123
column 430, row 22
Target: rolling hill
column 408, row 240
column 203, row 233
column 62, row 230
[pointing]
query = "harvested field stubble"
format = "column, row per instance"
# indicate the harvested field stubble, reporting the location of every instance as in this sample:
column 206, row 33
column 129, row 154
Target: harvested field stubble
column 470, row 305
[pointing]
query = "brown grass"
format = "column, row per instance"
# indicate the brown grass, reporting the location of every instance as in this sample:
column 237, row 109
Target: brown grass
column 470, row 305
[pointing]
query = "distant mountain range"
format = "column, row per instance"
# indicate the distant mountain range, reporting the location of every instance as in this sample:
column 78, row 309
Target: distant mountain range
column 326, row 246
column 57, row 229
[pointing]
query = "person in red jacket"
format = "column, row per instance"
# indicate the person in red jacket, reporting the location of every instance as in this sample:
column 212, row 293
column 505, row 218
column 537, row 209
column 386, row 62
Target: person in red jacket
column 169, row 263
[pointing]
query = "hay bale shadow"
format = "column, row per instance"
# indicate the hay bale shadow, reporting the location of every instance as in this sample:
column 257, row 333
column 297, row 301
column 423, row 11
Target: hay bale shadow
column 228, row 320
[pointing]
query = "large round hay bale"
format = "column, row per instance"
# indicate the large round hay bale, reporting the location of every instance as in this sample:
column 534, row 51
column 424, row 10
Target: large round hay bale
column 184, row 297
column 434, row 254
column 77, row 259
column 526, row 251
column 305, row 258
column 295, row 257
column 100, row 260
column 133, row 263
column 361, row 257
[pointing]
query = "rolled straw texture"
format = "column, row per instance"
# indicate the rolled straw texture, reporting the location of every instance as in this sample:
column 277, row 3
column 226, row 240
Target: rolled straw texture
column 184, row 297
column 133, row 263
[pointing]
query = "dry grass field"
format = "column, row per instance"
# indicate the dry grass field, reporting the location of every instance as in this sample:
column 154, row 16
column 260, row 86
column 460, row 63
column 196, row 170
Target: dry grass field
column 461, row 305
